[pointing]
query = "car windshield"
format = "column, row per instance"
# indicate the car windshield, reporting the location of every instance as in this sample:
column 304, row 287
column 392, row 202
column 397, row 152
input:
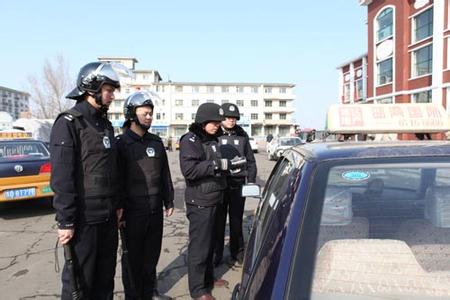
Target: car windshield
column 22, row 150
column 290, row 142
column 384, row 233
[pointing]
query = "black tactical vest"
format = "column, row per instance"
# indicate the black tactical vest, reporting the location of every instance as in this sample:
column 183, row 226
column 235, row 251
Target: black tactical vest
column 97, row 171
column 144, row 166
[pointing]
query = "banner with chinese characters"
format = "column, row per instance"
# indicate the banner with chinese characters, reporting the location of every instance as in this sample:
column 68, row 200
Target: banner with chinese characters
column 387, row 118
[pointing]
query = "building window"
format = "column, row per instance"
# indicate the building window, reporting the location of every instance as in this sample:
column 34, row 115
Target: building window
column 268, row 103
column 178, row 102
column 387, row 100
column 210, row 89
column 179, row 88
column 225, row 89
column 254, row 103
column 178, row 116
column 347, row 93
column 268, row 116
column 423, row 25
column 195, row 89
column 282, row 116
column 193, row 116
column 254, row 89
column 240, row 103
column 384, row 71
column 385, row 24
column 239, row 89
column 254, row 116
column 359, row 89
column 423, row 61
column 224, row 101
column 268, row 90
column 282, row 90
column 422, row 97
column 158, row 116
column 195, row 102
column 163, row 102
column 282, row 103
column 210, row 101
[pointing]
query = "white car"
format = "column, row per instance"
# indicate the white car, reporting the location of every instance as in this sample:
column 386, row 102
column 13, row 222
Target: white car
column 253, row 145
column 278, row 145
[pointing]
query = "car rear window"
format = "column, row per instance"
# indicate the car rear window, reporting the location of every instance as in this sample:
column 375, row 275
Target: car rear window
column 22, row 150
column 384, row 232
column 290, row 142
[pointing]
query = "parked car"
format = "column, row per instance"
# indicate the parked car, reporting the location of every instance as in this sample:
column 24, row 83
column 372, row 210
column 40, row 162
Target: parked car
column 253, row 144
column 24, row 170
column 278, row 145
column 352, row 221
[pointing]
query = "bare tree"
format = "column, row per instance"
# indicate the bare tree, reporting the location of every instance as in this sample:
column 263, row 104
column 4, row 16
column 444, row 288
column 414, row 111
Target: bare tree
column 48, row 90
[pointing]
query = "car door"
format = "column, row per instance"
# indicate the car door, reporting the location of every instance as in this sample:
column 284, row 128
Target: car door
column 267, row 237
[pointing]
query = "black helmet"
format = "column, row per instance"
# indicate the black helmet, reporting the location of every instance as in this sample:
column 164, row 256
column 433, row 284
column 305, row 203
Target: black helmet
column 231, row 110
column 136, row 100
column 92, row 77
column 209, row 112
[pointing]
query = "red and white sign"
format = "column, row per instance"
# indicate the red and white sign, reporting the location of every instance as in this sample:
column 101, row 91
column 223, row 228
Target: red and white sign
column 387, row 118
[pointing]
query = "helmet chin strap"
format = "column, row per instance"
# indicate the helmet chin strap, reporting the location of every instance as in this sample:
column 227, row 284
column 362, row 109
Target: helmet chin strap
column 144, row 127
column 98, row 100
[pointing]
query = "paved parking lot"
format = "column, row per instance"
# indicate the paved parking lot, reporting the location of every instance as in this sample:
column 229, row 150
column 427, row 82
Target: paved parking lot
column 28, row 237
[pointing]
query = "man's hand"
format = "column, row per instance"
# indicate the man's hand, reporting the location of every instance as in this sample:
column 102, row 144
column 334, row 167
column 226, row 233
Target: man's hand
column 65, row 235
column 238, row 162
column 119, row 213
column 222, row 164
column 169, row 212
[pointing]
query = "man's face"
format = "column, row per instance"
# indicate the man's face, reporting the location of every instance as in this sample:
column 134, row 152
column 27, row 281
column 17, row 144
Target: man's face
column 145, row 115
column 107, row 94
column 229, row 122
column 212, row 127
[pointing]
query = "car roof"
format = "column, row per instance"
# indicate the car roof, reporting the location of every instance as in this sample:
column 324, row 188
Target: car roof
column 345, row 150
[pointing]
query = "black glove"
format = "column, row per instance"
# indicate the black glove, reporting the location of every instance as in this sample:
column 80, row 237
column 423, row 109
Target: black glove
column 237, row 164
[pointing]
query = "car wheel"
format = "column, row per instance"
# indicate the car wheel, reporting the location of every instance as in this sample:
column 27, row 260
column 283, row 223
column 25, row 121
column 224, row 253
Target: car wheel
column 269, row 156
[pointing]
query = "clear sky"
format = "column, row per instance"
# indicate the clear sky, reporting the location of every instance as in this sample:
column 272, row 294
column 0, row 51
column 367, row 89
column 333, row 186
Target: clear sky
column 297, row 41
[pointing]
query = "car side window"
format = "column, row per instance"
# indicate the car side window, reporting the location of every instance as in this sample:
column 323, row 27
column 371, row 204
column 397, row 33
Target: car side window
column 278, row 197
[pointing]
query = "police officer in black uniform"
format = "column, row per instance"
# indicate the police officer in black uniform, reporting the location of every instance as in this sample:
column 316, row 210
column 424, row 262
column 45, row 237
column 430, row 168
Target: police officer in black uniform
column 203, row 169
column 85, row 181
column 233, row 142
column 144, row 166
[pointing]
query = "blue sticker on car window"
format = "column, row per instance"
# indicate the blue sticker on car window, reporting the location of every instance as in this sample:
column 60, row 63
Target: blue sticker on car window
column 355, row 175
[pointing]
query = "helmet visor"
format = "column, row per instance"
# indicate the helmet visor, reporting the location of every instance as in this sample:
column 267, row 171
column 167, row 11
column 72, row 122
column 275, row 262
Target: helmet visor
column 106, row 70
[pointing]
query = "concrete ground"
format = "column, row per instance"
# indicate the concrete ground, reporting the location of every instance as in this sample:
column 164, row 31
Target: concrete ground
column 28, row 237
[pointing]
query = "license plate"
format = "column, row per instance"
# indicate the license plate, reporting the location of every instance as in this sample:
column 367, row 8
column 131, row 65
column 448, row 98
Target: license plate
column 20, row 193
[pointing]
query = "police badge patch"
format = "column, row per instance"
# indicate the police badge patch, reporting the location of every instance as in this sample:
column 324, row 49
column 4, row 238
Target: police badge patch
column 106, row 142
column 236, row 142
column 150, row 152
column 224, row 142
column 214, row 148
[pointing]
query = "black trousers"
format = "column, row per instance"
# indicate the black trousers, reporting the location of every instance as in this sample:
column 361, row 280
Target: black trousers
column 95, row 248
column 200, row 249
column 233, row 205
column 144, row 238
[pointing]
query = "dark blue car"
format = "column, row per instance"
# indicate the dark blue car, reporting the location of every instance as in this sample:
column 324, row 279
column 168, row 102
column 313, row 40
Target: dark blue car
column 353, row 221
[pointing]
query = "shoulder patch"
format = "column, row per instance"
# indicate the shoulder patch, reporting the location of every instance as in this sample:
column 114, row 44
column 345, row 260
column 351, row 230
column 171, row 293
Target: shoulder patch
column 192, row 138
column 69, row 117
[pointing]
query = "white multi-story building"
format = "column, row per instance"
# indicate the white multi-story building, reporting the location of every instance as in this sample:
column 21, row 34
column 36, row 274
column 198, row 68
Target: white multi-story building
column 264, row 107
column 14, row 102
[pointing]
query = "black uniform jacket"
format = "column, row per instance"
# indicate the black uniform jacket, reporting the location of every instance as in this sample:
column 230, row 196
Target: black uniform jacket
column 144, row 169
column 73, row 198
column 198, row 154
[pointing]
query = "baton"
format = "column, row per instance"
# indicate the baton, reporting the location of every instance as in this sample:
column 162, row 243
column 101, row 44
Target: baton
column 77, row 293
